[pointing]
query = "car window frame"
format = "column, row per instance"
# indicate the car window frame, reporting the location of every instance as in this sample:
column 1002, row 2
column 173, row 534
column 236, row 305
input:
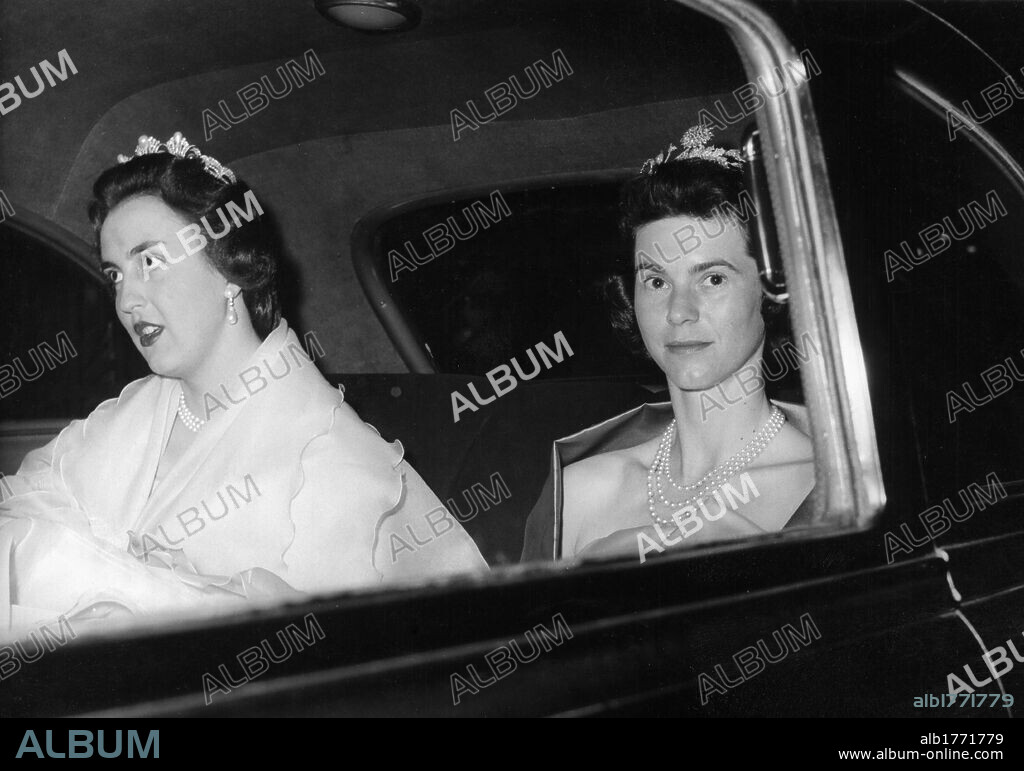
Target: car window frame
column 849, row 489
column 928, row 97
column 82, row 256
column 371, row 266
column 56, row 238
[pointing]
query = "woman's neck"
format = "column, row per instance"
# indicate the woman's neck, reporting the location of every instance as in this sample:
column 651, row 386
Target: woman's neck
column 222, row 368
column 715, row 424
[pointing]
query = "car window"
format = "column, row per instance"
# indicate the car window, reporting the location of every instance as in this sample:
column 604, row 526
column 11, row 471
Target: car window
column 63, row 350
column 480, row 279
column 511, row 255
column 469, row 282
column 521, row 267
column 956, row 281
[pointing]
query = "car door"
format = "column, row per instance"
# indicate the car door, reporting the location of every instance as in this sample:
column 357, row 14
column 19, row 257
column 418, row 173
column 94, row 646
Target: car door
column 955, row 283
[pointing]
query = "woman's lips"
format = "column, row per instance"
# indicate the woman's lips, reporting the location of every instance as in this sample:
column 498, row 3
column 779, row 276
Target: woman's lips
column 148, row 333
column 686, row 347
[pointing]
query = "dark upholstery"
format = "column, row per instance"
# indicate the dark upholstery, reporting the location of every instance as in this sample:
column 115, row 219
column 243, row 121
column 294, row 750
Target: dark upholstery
column 511, row 436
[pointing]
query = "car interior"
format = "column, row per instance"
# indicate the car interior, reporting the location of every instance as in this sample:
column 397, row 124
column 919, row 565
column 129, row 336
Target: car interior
column 356, row 165
column 446, row 177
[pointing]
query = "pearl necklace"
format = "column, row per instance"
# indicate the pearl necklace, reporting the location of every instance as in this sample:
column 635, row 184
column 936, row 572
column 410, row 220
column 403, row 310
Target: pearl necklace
column 192, row 423
column 711, row 481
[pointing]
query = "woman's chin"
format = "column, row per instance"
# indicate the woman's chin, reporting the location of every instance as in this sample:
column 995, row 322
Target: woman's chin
column 159, row 365
column 692, row 380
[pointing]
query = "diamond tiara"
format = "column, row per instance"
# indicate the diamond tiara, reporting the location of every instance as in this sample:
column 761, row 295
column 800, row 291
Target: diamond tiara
column 179, row 146
column 694, row 144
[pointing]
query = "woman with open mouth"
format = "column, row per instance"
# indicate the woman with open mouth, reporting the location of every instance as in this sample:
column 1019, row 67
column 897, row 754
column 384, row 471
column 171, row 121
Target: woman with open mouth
column 718, row 460
column 235, row 472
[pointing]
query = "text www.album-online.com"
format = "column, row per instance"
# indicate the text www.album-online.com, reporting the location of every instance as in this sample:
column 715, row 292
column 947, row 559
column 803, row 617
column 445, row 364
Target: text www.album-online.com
column 953, row 749
column 944, row 754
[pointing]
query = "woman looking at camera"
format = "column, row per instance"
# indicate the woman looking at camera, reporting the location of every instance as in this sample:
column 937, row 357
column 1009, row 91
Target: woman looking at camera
column 689, row 470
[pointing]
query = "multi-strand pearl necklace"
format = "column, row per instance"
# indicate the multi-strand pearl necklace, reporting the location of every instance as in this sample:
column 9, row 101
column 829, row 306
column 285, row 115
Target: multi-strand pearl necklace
column 711, row 481
column 192, row 423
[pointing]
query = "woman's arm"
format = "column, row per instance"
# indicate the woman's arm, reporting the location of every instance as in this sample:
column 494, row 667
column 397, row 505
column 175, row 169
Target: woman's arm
column 52, row 562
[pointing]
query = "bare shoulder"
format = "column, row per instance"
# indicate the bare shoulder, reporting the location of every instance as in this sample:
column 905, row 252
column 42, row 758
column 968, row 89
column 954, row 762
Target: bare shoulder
column 784, row 477
column 591, row 478
column 791, row 446
column 597, row 489
column 597, row 474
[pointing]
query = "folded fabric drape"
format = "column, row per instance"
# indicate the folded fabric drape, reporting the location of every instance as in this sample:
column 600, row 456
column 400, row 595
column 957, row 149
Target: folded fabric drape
column 543, row 538
column 284, row 492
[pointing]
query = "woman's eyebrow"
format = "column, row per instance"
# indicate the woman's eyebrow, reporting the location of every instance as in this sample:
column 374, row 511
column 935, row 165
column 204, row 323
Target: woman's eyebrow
column 702, row 266
column 132, row 252
column 142, row 247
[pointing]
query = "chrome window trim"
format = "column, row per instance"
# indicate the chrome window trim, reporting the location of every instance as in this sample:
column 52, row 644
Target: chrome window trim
column 849, row 487
column 934, row 102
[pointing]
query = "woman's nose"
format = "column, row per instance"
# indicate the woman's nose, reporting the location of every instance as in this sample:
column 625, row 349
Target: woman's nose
column 682, row 306
column 131, row 295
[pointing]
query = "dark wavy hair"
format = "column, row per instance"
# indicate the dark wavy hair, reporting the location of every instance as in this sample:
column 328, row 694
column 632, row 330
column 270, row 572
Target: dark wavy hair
column 690, row 187
column 246, row 255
